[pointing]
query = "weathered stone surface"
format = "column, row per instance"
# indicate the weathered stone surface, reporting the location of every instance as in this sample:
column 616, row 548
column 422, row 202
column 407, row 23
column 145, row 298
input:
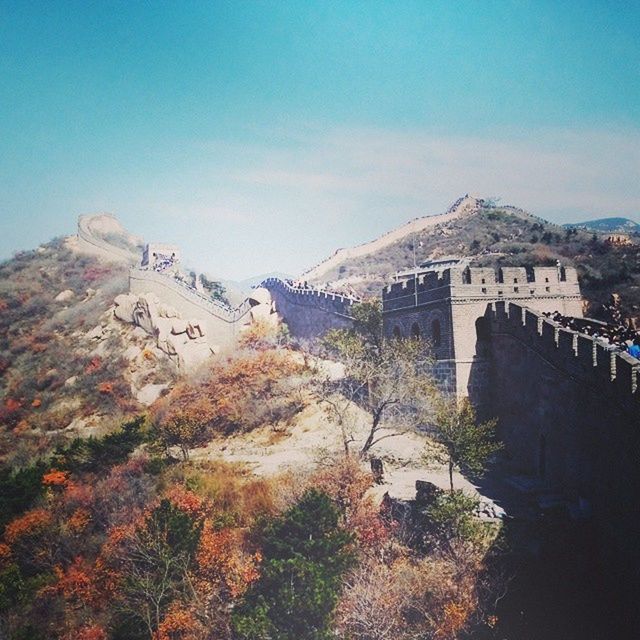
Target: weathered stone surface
column 125, row 304
column 65, row 296
column 183, row 340
column 150, row 393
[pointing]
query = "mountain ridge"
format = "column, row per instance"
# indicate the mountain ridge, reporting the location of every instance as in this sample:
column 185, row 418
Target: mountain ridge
column 606, row 225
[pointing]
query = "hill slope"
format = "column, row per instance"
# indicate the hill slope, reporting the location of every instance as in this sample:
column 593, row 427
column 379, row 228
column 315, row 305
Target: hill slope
column 66, row 364
column 493, row 236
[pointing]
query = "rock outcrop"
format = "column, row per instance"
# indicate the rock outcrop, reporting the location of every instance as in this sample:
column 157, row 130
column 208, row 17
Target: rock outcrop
column 184, row 341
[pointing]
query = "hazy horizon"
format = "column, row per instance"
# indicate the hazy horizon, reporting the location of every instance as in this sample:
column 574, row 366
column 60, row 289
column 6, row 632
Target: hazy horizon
column 264, row 136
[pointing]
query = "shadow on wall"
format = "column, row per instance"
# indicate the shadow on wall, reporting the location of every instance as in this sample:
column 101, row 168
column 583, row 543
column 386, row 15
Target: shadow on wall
column 479, row 384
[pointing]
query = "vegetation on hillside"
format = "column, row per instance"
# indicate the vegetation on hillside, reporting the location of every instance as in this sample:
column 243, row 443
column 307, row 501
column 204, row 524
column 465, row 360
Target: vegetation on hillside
column 125, row 536
column 506, row 236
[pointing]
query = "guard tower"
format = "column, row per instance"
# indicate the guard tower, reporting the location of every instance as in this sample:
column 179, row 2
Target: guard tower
column 448, row 308
column 160, row 257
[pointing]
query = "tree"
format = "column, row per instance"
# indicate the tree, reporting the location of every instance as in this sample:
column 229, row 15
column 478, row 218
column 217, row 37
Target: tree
column 305, row 556
column 388, row 378
column 216, row 289
column 460, row 442
column 149, row 564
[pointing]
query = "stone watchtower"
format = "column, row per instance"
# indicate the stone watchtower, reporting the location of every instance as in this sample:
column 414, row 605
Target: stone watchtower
column 448, row 309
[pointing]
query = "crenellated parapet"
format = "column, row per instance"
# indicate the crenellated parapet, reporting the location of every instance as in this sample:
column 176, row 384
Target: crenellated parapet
column 478, row 283
column 142, row 280
column 312, row 296
column 309, row 312
column 581, row 357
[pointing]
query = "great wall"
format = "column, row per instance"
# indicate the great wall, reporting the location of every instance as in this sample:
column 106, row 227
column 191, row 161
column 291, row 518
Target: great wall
column 568, row 407
column 462, row 206
column 309, row 312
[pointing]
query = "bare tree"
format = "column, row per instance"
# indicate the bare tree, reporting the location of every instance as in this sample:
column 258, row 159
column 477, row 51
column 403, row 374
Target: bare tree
column 388, row 378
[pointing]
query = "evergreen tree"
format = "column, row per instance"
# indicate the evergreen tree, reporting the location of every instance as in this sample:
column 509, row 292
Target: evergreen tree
column 305, row 556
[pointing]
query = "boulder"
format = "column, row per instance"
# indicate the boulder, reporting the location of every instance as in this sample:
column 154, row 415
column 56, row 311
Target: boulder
column 65, row 296
column 125, row 304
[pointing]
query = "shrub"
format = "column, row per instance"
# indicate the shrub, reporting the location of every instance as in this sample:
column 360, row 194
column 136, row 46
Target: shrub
column 305, row 555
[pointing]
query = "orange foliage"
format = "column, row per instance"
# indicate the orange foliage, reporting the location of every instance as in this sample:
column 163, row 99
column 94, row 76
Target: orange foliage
column 36, row 403
column 21, row 427
column 106, row 388
column 27, row 524
column 78, row 495
column 79, row 520
column 179, row 624
column 5, row 553
column 186, row 501
column 55, row 478
column 94, row 365
column 454, row 620
column 88, row 632
column 371, row 530
column 75, row 584
column 345, row 482
column 242, row 393
column 222, row 563
column 12, row 404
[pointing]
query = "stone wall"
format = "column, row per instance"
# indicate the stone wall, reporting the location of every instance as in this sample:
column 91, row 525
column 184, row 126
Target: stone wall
column 309, row 313
column 222, row 323
column 91, row 242
column 448, row 307
column 569, row 412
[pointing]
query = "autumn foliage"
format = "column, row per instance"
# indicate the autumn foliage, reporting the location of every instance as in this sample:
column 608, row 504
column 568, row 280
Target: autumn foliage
column 247, row 391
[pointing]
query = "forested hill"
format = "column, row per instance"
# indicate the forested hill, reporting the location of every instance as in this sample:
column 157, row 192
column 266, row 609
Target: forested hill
column 504, row 236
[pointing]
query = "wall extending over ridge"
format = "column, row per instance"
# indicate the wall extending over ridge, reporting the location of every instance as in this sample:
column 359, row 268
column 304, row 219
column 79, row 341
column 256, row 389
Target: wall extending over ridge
column 463, row 206
column 222, row 323
column 310, row 312
column 90, row 241
column 569, row 412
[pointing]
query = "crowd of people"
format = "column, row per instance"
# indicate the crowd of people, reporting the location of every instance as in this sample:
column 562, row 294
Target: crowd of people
column 616, row 337
column 163, row 263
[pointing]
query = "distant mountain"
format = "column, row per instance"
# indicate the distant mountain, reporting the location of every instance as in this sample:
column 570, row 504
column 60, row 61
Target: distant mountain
column 606, row 225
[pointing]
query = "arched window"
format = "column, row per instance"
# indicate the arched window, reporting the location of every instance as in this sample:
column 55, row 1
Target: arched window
column 415, row 330
column 436, row 333
column 396, row 332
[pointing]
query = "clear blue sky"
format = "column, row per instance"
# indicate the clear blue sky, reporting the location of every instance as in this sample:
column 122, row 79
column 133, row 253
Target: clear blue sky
column 264, row 135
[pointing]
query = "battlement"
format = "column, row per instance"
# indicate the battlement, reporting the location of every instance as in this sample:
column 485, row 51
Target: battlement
column 479, row 283
column 310, row 312
column 312, row 296
column 576, row 355
column 144, row 280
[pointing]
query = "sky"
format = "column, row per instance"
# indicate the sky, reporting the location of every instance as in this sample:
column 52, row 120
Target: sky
column 262, row 136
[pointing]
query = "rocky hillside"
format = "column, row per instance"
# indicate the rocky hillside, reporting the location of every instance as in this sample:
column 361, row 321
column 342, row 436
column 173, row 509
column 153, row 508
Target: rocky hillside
column 66, row 364
column 492, row 235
